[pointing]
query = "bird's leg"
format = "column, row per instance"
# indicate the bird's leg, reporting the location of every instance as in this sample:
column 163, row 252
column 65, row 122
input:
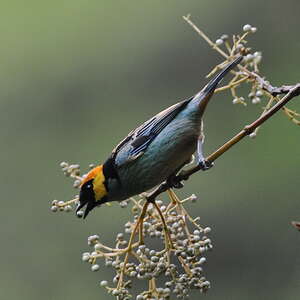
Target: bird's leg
column 151, row 196
column 173, row 180
column 201, row 162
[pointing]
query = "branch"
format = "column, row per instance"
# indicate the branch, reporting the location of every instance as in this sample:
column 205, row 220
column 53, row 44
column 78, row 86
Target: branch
column 274, row 91
column 250, row 61
column 296, row 225
column 243, row 75
column 172, row 222
column 294, row 91
column 204, row 36
column 265, row 85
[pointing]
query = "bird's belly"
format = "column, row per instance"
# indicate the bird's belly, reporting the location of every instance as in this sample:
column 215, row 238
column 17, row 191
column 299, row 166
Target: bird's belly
column 170, row 150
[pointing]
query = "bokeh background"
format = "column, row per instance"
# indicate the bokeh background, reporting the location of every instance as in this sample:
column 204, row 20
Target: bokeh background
column 77, row 75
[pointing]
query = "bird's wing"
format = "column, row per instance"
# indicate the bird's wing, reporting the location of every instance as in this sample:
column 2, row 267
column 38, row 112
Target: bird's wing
column 139, row 139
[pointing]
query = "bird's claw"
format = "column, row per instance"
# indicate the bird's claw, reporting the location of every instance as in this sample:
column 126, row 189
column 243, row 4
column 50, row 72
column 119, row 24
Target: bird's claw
column 175, row 182
column 178, row 185
column 206, row 165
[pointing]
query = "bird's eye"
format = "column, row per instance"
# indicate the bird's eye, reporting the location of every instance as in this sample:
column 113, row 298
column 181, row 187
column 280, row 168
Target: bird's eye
column 88, row 186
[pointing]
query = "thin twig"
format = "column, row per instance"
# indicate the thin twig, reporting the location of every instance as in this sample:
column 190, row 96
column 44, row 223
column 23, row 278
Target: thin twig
column 130, row 243
column 204, row 36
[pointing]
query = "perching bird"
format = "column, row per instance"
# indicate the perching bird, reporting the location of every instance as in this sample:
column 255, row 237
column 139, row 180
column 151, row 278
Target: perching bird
column 152, row 153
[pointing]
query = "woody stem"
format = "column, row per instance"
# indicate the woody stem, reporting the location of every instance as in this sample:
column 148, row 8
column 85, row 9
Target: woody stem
column 294, row 91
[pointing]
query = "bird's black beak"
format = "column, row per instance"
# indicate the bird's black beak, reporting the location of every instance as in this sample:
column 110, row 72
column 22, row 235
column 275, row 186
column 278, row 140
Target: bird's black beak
column 206, row 93
column 89, row 207
column 86, row 198
column 211, row 86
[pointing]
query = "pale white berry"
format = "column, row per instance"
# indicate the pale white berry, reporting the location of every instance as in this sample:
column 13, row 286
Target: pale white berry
column 251, row 95
column 103, row 283
column 115, row 292
column 98, row 247
column 219, row 42
column 259, row 93
column 63, row 164
column 85, row 257
column 79, row 214
column 68, row 208
column 54, row 208
column 247, row 27
column 207, row 230
column 202, row 260
column 235, row 100
column 193, row 197
column 256, row 100
column 123, row 204
column 239, row 46
column 224, row 37
column 248, row 58
column 77, row 183
column 95, row 267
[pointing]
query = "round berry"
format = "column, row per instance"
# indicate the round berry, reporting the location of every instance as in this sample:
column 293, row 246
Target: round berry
column 247, row 27
column 103, row 283
column 219, row 42
column 95, row 268
column 54, row 208
column 79, row 214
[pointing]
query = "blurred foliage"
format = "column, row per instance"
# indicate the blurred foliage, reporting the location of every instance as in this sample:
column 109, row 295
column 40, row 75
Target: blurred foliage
column 77, row 75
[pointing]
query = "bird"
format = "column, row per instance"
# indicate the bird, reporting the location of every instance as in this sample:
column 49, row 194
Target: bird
column 152, row 153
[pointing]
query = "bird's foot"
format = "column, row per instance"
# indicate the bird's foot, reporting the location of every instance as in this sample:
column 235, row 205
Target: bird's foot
column 205, row 165
column 175, row 182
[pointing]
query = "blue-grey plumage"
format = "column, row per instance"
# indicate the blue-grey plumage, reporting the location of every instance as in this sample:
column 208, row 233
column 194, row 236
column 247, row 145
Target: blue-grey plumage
column 170, row 150
column 153, row 152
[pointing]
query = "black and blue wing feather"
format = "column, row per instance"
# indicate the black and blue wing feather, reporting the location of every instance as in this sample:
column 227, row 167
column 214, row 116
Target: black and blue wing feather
column 140, row 138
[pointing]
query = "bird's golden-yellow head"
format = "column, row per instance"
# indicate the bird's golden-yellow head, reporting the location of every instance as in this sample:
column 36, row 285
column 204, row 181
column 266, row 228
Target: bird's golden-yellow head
column 93, row 190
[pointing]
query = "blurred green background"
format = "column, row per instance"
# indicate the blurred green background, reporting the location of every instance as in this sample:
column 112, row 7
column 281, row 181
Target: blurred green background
column 77, row 75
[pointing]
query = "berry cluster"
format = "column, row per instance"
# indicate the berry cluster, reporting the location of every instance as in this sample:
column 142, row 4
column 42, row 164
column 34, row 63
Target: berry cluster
column 248, row 71
column 178, row 266
column 72, row 171
column 162, row 243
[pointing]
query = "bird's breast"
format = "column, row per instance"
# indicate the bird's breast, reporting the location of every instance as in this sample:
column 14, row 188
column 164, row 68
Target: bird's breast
column 170, row 150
